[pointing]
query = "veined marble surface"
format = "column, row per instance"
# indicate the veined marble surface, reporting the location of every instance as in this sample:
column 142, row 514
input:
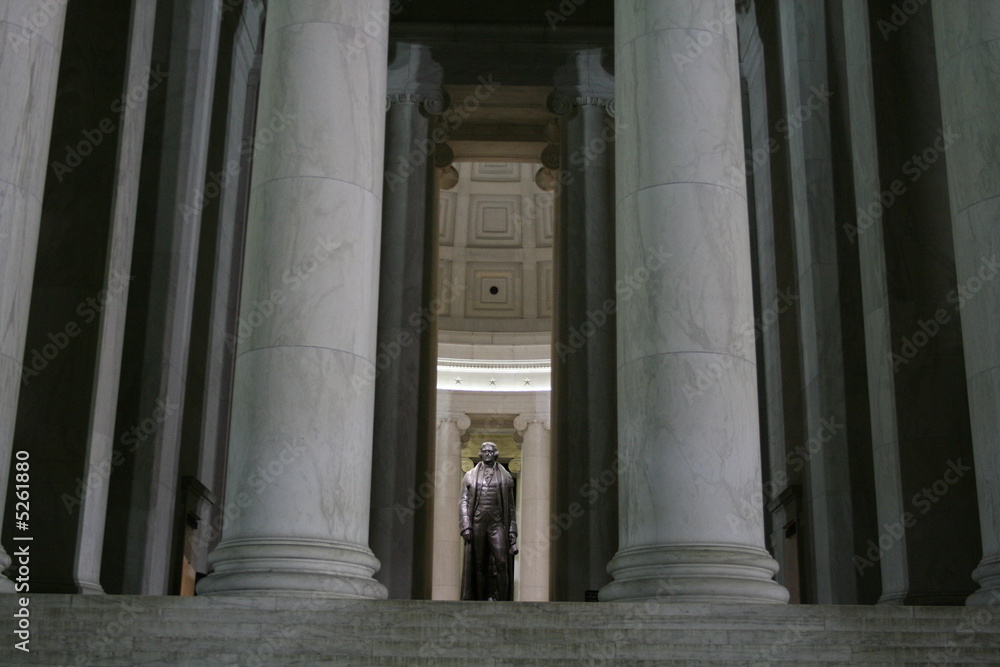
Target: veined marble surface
column 685, row 465
column 301, row 452
column 30, row 45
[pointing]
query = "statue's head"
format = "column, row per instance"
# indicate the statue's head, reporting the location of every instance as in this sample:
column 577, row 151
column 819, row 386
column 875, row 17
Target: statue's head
column 488, row 452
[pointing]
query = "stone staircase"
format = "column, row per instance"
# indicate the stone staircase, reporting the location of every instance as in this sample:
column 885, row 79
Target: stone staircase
column 204, row 631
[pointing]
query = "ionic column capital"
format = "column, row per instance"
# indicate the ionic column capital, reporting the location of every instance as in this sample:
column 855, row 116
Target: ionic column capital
column 563, row 103
column 431, row 102
column 524, row 420
column 460, row 419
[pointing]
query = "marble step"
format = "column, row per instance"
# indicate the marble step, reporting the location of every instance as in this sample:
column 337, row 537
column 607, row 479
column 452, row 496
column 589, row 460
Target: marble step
column 72, row 629
column 404, row 654
column 227, row 631
column 552, row 614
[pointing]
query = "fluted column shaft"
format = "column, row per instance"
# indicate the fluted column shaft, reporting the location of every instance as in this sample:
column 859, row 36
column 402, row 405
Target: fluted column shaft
column 683, row 247
column 534, row 507
column 101, row 439
column 446, row 573
column 584, row 353
column 406, row 361
column 31, row 35
column 300, row 453
column 966, row 34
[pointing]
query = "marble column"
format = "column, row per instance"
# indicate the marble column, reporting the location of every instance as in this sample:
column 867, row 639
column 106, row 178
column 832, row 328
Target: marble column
column 871, row 251
column 101, row 437
column 584, row 352
column 446, row 569
column 300, row 458
column 967, row 34
column 405, row 386
column 176, row 195
column 683, row 248
column 222, row 317
column 534, row 507
column 810, row 153
column 31, row 35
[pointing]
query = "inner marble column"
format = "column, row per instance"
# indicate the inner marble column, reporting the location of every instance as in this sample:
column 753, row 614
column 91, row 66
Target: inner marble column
column 583, row 361
column 299, row 471
column 30, row 45
column 967, row 34
column 810, row 153
column 534, row 507
column 683, row 247
column 405, row 387
column 446, row 572
column 101, row 438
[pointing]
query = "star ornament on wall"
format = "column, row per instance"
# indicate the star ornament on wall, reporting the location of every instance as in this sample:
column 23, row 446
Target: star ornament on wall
column 458, row 380
column 527, row 382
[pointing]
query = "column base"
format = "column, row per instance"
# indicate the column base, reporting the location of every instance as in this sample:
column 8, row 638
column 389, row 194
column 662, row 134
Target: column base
column 694, row 574
column 987, row 575
column 296, row 567
column 89, row 588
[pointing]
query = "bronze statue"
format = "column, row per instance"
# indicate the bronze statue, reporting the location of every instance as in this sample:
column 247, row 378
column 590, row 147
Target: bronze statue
column 486, row 519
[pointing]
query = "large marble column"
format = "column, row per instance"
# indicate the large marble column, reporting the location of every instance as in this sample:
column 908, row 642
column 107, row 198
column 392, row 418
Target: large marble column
column 299, row 471
column 967, row 34
column 683, row 247
column 584, row 352
column 446, row 569
column 30, row 45
column 405, row 386
column 534, row 507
